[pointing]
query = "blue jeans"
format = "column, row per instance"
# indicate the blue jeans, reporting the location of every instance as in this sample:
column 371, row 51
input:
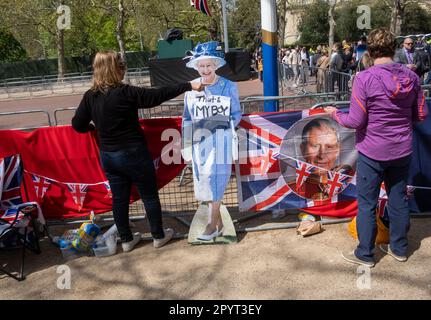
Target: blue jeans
column 370, row 175
column 132, row 166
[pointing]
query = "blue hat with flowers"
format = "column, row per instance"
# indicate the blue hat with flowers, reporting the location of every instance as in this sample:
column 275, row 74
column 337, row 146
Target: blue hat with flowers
column 207, row 50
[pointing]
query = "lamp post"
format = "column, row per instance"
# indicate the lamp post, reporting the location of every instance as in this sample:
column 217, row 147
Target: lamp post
column 225, row 33
column 269, row 52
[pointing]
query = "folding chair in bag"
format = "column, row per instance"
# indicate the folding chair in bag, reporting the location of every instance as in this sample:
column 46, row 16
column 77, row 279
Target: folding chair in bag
column 18, row 230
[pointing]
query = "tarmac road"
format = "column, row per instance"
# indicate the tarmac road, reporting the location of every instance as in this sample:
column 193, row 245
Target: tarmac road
column 53, row 102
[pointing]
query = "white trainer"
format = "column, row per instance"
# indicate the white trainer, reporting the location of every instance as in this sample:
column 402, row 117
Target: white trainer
column 169, row 233
column 128, row 246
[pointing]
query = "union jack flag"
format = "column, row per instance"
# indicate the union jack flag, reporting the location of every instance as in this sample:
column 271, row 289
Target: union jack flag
column 269, row 158
column 10, row 182
column 108, row 188
column 10, row 214
column 268, row 177
column 303, row 171
column 41, row 185
column 78, row 191
column 202, row 6
column 337, row 182
column 411, row 191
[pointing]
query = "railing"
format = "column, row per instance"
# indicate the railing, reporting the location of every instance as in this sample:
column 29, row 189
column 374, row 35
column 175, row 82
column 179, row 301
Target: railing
column 305, row 79
column 71, row 83
column 23, row 81
column 30, row 112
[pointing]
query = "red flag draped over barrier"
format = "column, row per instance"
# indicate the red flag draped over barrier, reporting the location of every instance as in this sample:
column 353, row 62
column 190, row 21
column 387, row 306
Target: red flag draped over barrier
column 64, row 166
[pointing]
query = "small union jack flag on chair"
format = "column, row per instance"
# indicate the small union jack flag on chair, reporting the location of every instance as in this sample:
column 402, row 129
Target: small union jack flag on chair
column 16, row 218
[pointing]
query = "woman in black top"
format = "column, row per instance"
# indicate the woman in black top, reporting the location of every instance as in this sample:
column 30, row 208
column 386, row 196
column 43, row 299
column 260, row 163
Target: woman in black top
column 113, row 108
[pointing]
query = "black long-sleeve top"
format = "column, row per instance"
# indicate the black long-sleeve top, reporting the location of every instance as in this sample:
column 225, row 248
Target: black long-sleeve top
column 115, row 113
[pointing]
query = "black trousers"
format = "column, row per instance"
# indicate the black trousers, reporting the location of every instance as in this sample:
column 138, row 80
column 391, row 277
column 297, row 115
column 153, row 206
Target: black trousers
column 127, row 167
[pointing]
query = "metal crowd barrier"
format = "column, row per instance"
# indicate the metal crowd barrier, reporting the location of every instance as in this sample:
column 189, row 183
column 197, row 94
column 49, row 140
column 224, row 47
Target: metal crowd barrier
column 71, row 83
column 333, row 103
column 61, row 110
column 427, row 89
column 21, row 113
column 285, row 103
column 306, row 79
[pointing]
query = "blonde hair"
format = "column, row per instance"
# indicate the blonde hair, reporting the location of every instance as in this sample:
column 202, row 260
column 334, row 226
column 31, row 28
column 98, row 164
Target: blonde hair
column 107, row 67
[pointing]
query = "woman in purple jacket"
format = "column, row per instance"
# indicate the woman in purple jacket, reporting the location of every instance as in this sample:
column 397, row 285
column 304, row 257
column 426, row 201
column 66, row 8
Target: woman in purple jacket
column 386, row 100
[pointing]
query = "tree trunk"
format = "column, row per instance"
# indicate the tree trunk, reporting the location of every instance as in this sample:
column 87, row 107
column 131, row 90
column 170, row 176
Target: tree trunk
column 60, row 54
column 397, row 16
column 120, row 28
column 282, row 22
column 60, row 50
column 332, row 4
column 213, row 29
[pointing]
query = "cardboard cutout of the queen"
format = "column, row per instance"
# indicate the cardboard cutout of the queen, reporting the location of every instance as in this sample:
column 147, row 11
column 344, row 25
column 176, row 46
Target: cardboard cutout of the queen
column 209, row 139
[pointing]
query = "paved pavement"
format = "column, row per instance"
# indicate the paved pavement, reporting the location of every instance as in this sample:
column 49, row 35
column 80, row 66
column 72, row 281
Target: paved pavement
column 263, row 265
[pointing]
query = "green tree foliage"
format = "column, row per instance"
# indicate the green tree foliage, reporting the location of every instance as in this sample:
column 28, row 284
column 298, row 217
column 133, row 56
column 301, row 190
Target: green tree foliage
column 159, row 16
column 346, row 16
column 314, row 20
column 379, row 16
column 10, row 49
column 314, row 27
column 416, row 20
column 245, row 27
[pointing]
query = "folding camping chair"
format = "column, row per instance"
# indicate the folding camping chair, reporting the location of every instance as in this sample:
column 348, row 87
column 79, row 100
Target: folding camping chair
column 14, row 233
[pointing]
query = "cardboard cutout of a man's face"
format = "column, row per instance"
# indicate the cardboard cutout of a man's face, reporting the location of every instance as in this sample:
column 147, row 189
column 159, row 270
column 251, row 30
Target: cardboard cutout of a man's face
column 321, row 148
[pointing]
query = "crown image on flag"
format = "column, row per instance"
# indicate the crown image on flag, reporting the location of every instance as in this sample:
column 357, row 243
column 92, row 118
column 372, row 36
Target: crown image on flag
column 202, row 6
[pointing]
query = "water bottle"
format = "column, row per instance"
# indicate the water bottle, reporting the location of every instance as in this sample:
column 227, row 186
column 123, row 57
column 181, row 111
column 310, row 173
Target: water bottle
column 112, row 231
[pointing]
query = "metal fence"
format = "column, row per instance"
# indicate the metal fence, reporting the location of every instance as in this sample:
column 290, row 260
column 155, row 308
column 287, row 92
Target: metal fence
column 305, row 79
column 71, row 83
column 427, row 90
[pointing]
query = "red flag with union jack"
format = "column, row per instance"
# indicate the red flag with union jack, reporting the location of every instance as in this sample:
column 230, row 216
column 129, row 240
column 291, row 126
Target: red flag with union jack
column 78, row 192
column 41, row 185
column 108, row 189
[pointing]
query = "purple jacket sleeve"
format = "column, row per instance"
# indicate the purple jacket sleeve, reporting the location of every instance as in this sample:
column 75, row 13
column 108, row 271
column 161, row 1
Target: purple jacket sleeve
column 357, row 116
column 420, row 109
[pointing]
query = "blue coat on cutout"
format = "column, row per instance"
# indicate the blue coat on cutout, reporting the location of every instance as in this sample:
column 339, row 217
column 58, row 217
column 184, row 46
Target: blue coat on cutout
column 212, row 142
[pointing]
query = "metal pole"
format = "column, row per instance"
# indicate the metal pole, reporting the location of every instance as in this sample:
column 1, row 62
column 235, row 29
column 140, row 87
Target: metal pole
column 225, row 34
column 269, row 51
